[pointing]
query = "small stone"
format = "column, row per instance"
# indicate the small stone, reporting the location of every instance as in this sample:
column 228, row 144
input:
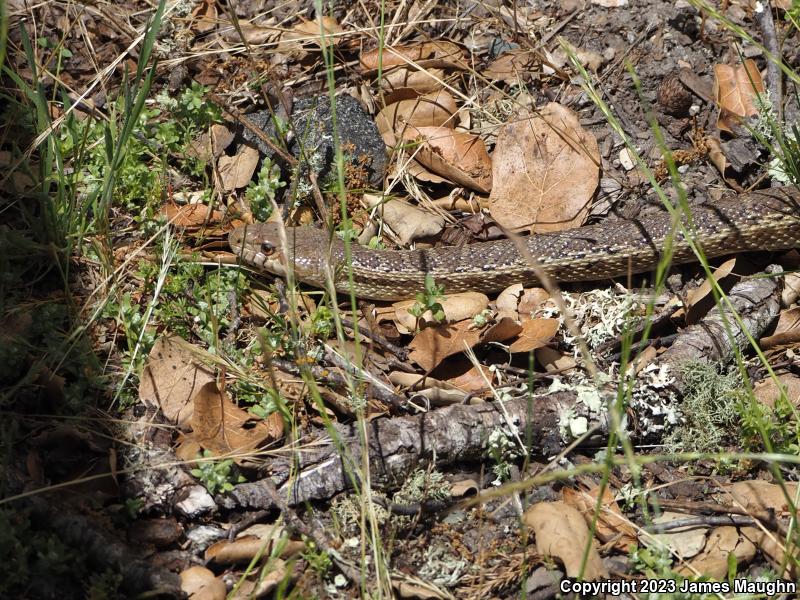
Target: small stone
column 625, row 159
column 673, row 97
column 197, row 503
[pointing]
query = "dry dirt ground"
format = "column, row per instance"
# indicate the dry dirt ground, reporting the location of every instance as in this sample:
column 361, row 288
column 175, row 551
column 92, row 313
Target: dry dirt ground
column 168, row 416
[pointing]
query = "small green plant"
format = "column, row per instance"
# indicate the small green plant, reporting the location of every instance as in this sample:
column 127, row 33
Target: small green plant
column 429, row 300
column 261, row 193
column 776, row 427
column 482, row 318
column 217, row 475
column 318, row 560
column 322, row 323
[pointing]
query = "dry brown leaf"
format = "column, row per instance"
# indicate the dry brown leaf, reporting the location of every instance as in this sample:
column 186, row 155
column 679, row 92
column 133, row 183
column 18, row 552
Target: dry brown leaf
column 264, row 304
column 532, row 300
column 417, row 171
column 513, row 66
column 610, row 525
column 645, row 357
column 263, row 33
column 407, row 221
column 787, row 331
column 713, row 560
column 307, row 33
column 562, row 533
column 211, row 145
column 172, row 376
column 459, row 156
column 261, row 584
column 191, row 216
column 221, row 427
column 456, row 307
column 694, row 307
column 774, row 548
column 394, row 56
column 759, row 496
column 236, row 171
column 412, row 588
column 200, row 583
column 469, row 380
column 735, row 90
column 464, row 488
column 422, row 82
column 204, row 16
column 429, row 110
column 257, row 539
column 546, row 170
column 553, row 360
column 716, row 154
column 433, row 344
column 767, row 392
column 440, row 393
column 535, row 334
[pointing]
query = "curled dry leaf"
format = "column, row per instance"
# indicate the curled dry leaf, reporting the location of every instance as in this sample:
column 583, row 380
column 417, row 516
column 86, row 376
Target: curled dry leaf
column 221, row 427
column 535, row 334
column 767, row 391
column 200, row 583
column 546, row 171
column 694, row 307
column 393, row 56
column 438, row 392
column 562, row 533
column 191, row 216
column 408, row 222
column 433, row 344
column 236, row 171
column 429, row 110
column 310, row 32
column 459, row 156
column 174, row 373
column 258, row 539
column 716, row 154
column 204, row 16
column 508, row 299
column 464, row 488
column 611, row 524
column 456, row 307
column 261, row 583
column 787, row 331
column 422, row 82
column 735, row 90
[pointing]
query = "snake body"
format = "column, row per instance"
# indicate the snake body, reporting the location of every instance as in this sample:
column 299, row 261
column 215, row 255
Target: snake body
column 762, row 220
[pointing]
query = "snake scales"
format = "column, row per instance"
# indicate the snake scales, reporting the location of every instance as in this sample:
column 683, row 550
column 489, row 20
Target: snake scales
column 762, row 220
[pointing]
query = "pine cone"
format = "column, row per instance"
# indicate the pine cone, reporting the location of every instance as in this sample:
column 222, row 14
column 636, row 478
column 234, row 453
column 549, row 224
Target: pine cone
column 673, row 96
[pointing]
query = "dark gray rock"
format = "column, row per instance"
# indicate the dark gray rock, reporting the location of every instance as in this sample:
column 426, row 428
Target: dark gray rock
column 310, row 137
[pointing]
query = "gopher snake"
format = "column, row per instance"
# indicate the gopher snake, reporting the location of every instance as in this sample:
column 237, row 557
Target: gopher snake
column 762, row 220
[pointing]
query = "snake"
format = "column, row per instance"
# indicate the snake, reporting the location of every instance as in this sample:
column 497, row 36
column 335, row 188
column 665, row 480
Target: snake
column 764, row 220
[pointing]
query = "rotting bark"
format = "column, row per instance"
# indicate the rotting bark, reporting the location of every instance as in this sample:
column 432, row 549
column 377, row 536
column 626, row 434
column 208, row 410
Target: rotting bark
column 459, row 432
